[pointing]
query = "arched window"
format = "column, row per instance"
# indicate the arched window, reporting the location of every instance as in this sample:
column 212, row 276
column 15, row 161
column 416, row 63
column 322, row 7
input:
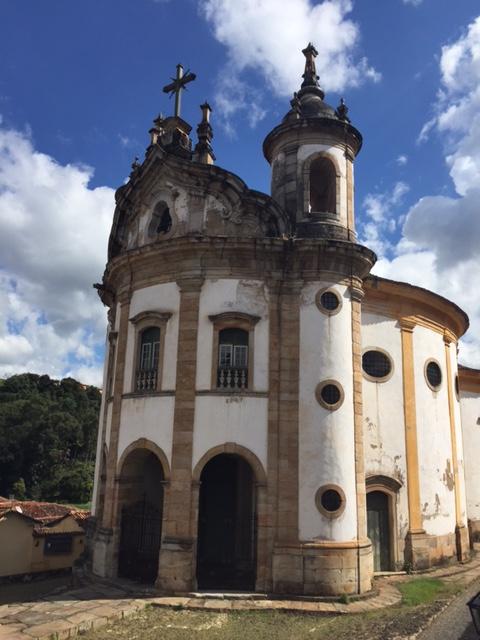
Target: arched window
column 323, row 186
column 161, row 222
column 232, row 359
column 149, row 352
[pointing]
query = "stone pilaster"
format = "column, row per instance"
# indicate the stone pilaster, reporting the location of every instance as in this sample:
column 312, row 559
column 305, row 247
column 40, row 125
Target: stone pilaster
column 177, row 554
column 417, row 540
column 365, row 559
column 461, row 531
column 286, row 396
column 104, row 559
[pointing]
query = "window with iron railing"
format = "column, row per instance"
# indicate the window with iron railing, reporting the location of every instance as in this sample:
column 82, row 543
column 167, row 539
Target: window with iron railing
column 149, row 353
column 232, row 370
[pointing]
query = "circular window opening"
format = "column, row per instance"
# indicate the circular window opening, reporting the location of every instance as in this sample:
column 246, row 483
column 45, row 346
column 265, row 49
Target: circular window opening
column 433, row 374
column 330, row 500
column 328, row 301
column 329, row 394
column 376, row 364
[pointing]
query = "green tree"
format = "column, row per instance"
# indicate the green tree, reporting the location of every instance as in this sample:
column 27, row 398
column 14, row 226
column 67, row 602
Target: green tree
column 47, row 437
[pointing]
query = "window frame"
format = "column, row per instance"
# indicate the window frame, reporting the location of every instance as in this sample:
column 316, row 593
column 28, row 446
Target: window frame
column 442, row 375
column 142, row 321
column 233, row 320
column 58, row 537
column 371, row 378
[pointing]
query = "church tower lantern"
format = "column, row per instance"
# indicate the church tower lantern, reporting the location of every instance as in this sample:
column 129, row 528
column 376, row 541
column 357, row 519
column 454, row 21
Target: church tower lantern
column 311, row 153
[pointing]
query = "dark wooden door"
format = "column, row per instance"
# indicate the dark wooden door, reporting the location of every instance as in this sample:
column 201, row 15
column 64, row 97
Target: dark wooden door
column 226, row 555
column 141, row 530
column 378, row 523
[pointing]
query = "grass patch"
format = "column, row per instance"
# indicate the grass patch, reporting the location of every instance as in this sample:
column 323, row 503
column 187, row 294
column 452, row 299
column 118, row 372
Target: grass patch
column 425, row 590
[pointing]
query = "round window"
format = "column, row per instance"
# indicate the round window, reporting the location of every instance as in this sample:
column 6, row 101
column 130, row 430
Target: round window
column 330, row 500
column 433, row 374
column 328, row 301
column 376, row 364
column 329, row 394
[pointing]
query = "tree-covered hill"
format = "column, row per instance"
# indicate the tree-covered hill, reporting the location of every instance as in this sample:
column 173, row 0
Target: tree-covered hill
column 48, row 431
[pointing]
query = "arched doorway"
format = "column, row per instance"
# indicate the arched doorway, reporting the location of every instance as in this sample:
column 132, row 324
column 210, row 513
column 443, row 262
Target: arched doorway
column 141, row 506
column 227, row 536
column 379, row 529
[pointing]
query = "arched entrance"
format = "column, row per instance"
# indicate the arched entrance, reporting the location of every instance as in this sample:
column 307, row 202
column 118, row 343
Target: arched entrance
column 141, row 506
column 227, row 535
column 379, row 529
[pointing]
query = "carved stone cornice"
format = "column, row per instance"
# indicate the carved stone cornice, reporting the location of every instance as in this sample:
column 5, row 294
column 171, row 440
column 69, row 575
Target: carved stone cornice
column 162, row 317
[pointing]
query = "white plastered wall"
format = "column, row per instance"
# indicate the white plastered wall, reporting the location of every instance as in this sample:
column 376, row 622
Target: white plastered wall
column 470, row 409
column 437, row 494
column 326, row 438
column 159, row 297
column 307, row 150
column 147, row 417
column 383, row 412
column 239, row 419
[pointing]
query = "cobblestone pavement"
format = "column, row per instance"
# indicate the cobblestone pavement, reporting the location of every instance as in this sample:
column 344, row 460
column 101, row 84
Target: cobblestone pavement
column 68, row 612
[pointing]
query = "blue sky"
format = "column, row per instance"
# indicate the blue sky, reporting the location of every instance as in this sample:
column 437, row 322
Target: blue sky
column 80, row 83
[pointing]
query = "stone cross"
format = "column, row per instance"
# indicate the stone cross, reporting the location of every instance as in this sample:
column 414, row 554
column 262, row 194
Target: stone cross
column 178, row 85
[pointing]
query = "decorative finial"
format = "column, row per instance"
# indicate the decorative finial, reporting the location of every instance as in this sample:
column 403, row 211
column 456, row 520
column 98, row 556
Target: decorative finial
column 206, row 111
column 296, row 104
column 342, row 111
column 178, row 85
column 135, row 166
column 310, row 78
column 203, row 151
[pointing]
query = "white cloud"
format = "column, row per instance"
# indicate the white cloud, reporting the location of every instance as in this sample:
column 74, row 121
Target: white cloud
column 439, row 249
column 414, row 3
column 53, row 240
column 379, row 209
column 402, row 160
column 267, row 36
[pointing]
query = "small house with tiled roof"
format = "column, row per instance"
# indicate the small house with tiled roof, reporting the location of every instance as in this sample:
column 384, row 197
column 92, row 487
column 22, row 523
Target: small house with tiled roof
column 39, row 536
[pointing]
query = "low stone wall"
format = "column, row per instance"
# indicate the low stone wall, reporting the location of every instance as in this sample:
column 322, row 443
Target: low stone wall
column 323, row 569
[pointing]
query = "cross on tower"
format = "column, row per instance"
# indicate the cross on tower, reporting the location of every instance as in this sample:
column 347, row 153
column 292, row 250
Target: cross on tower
column 178, row 85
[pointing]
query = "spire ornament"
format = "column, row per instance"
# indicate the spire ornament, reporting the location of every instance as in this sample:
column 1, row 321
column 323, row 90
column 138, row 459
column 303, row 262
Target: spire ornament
column 342, row 111
column 203, row 151
column 310, row 77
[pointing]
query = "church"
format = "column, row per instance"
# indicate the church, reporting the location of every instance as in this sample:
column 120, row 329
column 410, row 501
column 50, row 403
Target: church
column 274, row 417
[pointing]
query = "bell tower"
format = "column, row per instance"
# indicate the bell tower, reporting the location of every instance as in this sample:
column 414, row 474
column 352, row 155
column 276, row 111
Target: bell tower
column 311, row 154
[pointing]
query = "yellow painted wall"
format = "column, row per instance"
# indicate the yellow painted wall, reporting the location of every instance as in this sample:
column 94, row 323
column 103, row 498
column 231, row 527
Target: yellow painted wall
column 15, row 545
column 21, row 552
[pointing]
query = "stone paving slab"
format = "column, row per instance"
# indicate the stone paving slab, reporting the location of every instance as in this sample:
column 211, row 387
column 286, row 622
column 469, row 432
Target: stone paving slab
column 66, row 613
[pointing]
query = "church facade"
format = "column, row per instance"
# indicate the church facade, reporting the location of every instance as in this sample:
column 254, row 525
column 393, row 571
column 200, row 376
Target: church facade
column 274, row 418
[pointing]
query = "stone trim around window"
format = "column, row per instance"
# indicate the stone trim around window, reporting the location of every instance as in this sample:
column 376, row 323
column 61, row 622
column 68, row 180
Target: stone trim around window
column 323, row 309
column 233, row 320
column 437, row 388
column 321, row 401
column 318, row 500
column 142, row 321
